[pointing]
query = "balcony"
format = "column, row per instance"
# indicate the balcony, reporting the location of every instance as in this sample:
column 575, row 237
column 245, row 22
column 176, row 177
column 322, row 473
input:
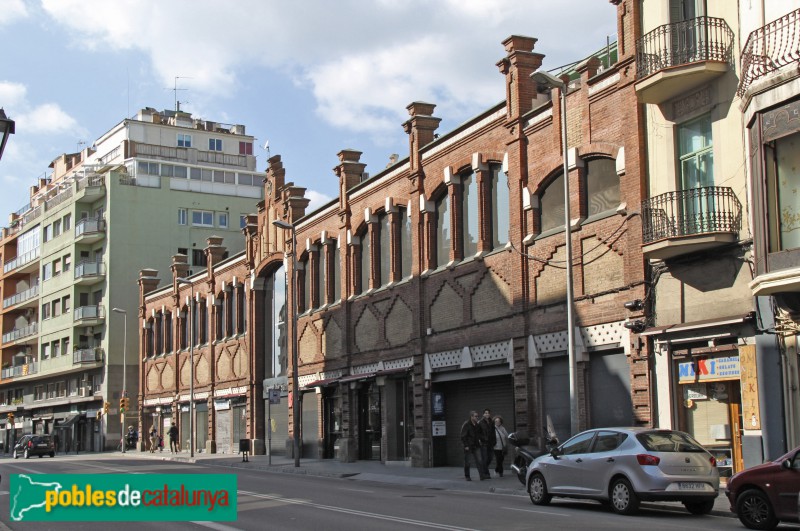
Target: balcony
column 686, row 221
column 89, row 272
column 89, row 315
column 20, row 370
column 675, row 58
column 19, row 334
column 90, row 230
column 25, row 262
column 88, row 355
column 770, row 48
column 24, row 296
column 90, row 187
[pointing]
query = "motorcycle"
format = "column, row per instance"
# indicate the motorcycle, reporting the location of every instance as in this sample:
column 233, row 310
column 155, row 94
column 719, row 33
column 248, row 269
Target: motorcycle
column 524, row 453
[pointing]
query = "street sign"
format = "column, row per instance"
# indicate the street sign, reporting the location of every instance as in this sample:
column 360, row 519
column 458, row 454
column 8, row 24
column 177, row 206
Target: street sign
column 274, row 396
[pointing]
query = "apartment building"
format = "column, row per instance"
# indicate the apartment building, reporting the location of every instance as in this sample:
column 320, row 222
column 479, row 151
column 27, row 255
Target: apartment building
column 155, row 185
column 769, row 92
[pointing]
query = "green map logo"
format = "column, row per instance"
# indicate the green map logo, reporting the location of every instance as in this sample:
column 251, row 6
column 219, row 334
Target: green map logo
column 122, row 497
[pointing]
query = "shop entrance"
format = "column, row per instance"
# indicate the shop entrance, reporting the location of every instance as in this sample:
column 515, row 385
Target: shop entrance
column 369, row 421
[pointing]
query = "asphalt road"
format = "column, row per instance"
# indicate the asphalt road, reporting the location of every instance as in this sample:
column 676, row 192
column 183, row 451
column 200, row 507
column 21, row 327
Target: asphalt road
column 273, row 500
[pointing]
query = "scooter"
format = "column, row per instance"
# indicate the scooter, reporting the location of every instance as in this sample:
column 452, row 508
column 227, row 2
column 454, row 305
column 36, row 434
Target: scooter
column 524, row 454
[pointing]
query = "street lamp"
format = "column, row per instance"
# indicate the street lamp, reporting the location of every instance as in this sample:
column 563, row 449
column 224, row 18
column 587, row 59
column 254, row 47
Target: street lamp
column 295, row 385
column 181, row 280
column 124, row 371
column 543, row 78
column 6, row 130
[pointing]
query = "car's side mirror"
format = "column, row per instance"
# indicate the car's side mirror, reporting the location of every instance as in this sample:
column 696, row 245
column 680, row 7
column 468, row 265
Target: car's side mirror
column 555, row 453
column 787, row 464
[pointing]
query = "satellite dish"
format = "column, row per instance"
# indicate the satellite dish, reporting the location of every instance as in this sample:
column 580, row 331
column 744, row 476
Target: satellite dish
column 266, row 145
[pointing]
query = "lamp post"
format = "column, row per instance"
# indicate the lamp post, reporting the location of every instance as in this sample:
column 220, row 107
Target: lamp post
column 124, row 371
column 295, row 385
column 181, row 280
column 6, row 130
column 543, row 78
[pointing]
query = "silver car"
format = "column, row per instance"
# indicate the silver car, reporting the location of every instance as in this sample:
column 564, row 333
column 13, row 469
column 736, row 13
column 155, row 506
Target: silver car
column 623, row 466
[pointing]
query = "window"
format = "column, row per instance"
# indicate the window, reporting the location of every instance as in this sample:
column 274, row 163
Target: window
column 336, row 280
column 229, row 308
column 56, row 228
column 47, row 271
column 45, row 351
column 551, row 205
column 215, row 144
column 783, row 181
column 245, row 148
column 500, row 205
column 195, row 173
column 443, row 232
column 61, row 389
column 65, row 346
column 67, row 262
column 56, row 267
column 48, row 233
column 73, row 387
column 199, row 257
column 56, row 348
column 202, row 218
column 147, row 168
column 305, row 273
column 56, row 304
column 696, row 153
column 183, row 250
column 65, row 302
column 602, row 186
column 246, row 178
column 182, row 216
column 607, row 441
column 222, row 220
column 206, row 175
column 227, row 177
column 38, row 393
column 241, row 322
column 184, row 328
column 320, row 275
column 242, row 221
column 167, row 170
column 469, row 215
column 67, row 222
column 180, row 172
column 276, row 357
column 219, row 328
column 384, row 251
column 405, row 243
column 168, row 332
column 365, row 260
column 184, row 140
column 149, row 345
column 578, row 445
column 202, row 322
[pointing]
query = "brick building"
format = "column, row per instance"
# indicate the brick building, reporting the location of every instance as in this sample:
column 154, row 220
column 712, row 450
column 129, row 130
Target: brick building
column 437, row 286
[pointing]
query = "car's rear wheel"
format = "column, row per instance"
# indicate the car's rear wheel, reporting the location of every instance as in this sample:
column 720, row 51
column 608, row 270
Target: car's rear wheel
column 15, row 455
column 623, row 499
column 703, row 507
column 27, row 455
column 52, row 454
column 755, row 511
column 537, row 490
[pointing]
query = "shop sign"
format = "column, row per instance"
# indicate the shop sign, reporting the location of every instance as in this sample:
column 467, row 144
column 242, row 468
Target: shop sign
column 438, row 428
column 750, row 408
column 703, row 369
column 696, row 392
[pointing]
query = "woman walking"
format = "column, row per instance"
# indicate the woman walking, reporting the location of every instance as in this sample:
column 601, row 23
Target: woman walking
column 501, row 444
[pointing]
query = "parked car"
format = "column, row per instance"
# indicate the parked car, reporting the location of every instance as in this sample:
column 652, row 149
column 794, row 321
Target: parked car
column 624, row 466
column 766, row 494
column 37, row 444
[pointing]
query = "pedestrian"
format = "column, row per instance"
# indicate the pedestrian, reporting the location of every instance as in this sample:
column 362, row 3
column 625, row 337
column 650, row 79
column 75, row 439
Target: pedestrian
column 501, row 446
column 160, row 443
column 487, row 439
column 56, row 440
column 471, row 443
column 173, row 439
column 153, row 439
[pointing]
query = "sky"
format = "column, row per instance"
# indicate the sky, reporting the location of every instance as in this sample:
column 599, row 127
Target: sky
column 310, row 77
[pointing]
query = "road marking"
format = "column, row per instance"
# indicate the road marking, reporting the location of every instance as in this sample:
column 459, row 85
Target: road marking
column 355, row 512
column 26, row 469
column 535, row 511
column 218, row 527
column 359, row 490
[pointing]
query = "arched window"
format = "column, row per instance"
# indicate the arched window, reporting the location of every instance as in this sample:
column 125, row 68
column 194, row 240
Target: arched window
column 195, row 323
column 469, row 215
column 443, row 231
column 241, row 323
column 149, row 344
column 405, row 242
column 275, row 333
column 219, row 326
column 551, row 203
column 168, row 331
column 602, row 186
column 365, row 261
column 500, row 205
column 184, row 337
column 228, row 303
column 336, row 273
column 202, row 318
column 319, row 274
column 384, row 249
column 158, row 333
column 304, row 273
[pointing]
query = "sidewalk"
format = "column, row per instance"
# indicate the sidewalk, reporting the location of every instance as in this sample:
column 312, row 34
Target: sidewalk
column 436, row 478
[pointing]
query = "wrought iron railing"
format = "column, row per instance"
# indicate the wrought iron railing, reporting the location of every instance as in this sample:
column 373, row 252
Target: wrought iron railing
column 87, row 355
column 680, row 43
column 770, row 48
column 691, row 212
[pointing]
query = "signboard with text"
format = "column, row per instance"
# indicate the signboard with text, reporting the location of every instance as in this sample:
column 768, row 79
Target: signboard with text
column 703, row 369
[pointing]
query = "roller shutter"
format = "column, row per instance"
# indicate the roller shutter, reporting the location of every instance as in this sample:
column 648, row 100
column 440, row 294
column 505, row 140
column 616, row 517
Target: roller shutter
column 610, row 390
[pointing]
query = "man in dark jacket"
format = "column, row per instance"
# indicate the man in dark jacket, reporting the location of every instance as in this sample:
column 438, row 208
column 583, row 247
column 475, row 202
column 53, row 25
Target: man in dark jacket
column 470, row 441
column 488, row 438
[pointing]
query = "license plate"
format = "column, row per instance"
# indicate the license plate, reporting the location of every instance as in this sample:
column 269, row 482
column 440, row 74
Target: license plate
column 686, row 485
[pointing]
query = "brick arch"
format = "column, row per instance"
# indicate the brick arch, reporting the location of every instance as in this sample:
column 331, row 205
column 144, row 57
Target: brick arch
column 598, row 149
column 493, row 157
column 269, row 266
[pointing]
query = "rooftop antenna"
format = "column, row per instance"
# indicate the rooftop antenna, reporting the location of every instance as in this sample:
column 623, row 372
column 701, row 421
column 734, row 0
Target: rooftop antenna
column 175, row 90
column 266, row 148
column 78, row 147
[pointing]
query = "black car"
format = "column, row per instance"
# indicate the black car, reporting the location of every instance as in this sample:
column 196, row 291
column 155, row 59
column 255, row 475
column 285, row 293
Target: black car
column 30, row 445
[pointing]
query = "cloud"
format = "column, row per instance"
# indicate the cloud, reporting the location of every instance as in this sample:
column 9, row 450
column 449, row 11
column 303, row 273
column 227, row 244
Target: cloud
column 317, row 200
column 12, row 94
column 12, row 11
column 48, row 118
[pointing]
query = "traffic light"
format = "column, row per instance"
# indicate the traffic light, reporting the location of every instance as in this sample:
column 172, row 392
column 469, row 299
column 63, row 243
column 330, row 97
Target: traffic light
column 105, row 407
column 127, row 403
column 11, row 418
column 122, row 405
